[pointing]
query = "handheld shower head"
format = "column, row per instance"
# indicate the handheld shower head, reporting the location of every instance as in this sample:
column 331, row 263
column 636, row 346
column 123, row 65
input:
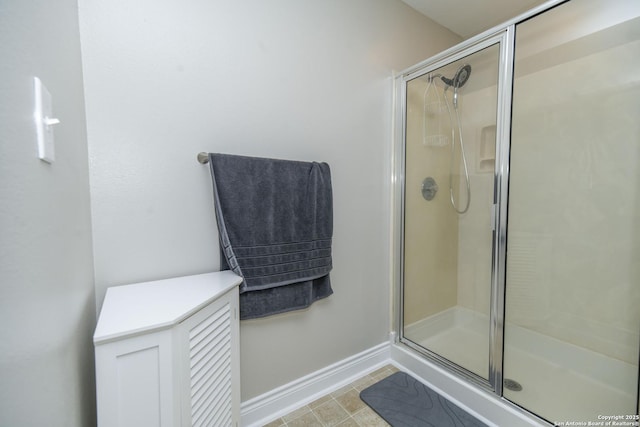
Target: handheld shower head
column 448, row 82
column 459, row 78
column 462, row 75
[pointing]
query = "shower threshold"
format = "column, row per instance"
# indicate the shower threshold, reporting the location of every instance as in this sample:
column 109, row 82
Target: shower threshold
column 558, row 380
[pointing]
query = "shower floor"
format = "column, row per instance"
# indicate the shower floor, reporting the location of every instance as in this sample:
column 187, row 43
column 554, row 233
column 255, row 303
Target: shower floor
column 560, row 382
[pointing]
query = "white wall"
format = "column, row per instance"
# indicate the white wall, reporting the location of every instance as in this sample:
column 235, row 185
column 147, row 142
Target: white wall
column 573, row 210
column 430, row 227
column 167, row 79
column 47, row 309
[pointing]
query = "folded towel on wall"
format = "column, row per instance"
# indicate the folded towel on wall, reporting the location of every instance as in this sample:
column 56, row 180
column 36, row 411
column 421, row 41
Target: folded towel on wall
column 275, row 224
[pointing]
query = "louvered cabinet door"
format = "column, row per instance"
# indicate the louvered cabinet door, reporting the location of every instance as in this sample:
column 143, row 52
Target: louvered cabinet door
column 209, row 345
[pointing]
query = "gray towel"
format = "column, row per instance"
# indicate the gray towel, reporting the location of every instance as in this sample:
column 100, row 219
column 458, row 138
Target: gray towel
column 275, row 222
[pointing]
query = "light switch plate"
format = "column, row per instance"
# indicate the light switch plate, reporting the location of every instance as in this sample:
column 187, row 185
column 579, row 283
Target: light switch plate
column 43, row 116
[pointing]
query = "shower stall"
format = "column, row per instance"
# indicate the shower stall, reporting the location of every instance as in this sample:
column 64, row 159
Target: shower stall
column 518, row 212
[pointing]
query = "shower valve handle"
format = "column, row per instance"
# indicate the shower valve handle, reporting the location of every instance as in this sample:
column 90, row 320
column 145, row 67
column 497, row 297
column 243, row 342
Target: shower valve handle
column 429, row 188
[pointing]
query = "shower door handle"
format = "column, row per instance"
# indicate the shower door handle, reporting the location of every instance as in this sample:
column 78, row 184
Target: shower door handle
column 494, row 217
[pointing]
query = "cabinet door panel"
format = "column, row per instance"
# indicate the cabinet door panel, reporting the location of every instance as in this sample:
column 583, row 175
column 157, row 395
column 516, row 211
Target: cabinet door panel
column 135, row 382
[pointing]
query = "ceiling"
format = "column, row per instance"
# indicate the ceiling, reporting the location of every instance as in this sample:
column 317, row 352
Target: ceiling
column 470, row 17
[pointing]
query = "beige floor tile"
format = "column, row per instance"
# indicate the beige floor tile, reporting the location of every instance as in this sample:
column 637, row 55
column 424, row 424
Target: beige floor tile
column 331, row 413
column 382, row 375
column 307, row 420
column 349, row 422
column 296, row 414
column 342, row 408
column 367, row 417
column 320, row 401
column 363, row 383
column 342, row 390
column 276, row 423
column 379, row 371
column 364, row 380
column 351, row 401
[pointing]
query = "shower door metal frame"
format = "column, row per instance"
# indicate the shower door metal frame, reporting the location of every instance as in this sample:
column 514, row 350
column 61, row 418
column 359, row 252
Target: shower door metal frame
column 500, row 206
column 504, row 34
column 504, row 38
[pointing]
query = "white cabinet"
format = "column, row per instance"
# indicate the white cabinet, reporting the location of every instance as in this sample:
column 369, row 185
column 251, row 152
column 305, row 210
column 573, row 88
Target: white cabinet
column 167, row 353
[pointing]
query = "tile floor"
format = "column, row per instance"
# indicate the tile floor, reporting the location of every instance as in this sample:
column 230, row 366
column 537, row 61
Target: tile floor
column 342, row 408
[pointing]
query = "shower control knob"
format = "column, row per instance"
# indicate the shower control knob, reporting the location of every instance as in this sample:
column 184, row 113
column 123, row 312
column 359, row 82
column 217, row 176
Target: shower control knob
column 429, row 188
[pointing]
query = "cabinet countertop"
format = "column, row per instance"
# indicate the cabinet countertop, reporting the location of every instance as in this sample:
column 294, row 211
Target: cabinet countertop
column 149, row 306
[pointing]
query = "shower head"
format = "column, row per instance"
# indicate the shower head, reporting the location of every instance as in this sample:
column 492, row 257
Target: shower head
column 459, row 78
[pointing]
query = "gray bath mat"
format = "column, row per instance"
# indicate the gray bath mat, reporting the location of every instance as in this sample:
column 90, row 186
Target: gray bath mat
column 405, row 402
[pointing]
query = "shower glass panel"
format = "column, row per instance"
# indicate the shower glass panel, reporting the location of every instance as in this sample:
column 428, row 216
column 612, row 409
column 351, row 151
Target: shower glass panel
column 450, row 148
column 572, row 317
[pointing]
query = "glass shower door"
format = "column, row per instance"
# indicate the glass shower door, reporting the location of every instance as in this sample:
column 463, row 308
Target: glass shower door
column 572, row 321
column 450, row 146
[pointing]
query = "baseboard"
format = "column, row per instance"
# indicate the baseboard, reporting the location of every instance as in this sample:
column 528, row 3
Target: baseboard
column 278, row 402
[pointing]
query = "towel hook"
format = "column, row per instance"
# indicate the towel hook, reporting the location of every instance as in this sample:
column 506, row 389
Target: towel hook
column 203, row 158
